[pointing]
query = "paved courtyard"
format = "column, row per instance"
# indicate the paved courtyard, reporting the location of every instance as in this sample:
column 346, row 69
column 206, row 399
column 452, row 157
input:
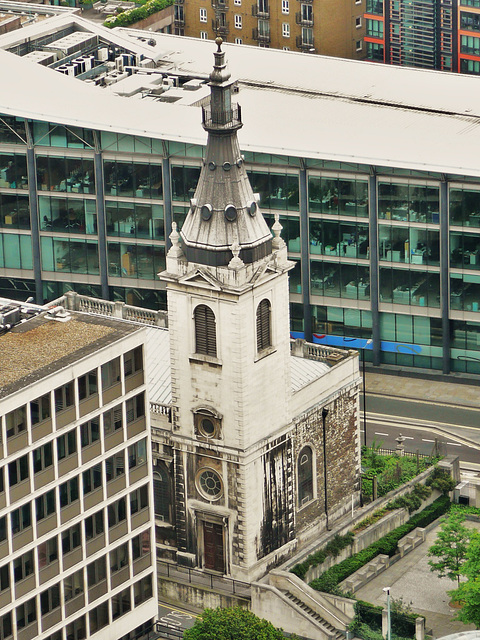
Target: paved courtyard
column 411, row 579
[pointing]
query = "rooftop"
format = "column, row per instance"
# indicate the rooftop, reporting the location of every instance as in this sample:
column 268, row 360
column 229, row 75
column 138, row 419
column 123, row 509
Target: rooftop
column 41, row 346
column 353, row 112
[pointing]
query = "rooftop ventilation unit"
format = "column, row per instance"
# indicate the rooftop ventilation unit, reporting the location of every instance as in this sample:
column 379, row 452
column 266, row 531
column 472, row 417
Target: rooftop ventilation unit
column 9, row 315
column 74, row 43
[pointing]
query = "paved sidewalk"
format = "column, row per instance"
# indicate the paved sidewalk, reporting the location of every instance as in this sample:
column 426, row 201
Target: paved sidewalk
column 426, row 390
column 411, row 579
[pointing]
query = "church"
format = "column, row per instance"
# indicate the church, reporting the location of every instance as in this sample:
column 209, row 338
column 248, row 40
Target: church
column 260, row 449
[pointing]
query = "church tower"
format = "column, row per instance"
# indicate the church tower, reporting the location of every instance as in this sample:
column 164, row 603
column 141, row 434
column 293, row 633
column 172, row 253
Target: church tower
column 228, row 305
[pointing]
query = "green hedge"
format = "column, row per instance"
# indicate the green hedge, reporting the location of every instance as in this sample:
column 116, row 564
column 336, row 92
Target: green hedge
column 333, row 548
column 387, row 545
column 126, row 18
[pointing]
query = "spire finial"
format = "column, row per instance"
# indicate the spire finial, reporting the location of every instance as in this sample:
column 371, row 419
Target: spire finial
column 220, row 72
column 175, row 250
column 218, row 42
column 236, row 262
column 277, row 242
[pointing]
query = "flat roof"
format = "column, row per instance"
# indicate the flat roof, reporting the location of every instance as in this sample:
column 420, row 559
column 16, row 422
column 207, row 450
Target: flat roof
column 325, row 108
column 40, row 347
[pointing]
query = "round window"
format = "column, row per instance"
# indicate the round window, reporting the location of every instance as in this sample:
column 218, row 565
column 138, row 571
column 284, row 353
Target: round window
column 207, row 427
column 209, row 484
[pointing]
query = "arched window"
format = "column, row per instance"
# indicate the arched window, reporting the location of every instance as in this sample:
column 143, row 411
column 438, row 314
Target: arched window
column 264, row 338
column 305, row 476
column 205, row 332
column 162, row 497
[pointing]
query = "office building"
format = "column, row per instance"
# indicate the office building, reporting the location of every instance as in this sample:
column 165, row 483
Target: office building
column 76, row 500
column 375, row 179
column 328, row 27
column 430, row 34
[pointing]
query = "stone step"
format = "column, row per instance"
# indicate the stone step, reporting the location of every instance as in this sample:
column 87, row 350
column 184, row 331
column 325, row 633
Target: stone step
column 316, row 616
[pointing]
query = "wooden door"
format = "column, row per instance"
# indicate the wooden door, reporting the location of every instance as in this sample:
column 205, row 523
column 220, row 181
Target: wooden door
column 213, row 546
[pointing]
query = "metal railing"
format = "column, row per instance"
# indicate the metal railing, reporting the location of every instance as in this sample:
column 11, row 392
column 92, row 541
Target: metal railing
column 203, row 579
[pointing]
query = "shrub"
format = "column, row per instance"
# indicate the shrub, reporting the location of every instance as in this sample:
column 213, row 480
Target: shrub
column 333, row 548
column 131, row 16
column 441, row 480
column 386, row 545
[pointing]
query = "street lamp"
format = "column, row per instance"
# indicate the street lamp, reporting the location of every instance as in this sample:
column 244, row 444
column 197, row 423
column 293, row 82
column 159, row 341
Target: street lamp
column 387, row 591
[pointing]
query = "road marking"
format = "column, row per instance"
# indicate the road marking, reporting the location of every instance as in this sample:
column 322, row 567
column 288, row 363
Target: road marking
column 454, row 444
column 379, row 433
column 425, row 440
column 409, row 437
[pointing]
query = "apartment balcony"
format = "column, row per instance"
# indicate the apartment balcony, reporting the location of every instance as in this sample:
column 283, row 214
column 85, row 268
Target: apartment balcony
column 220, row 5
column 305, row 45
column 179, row 22
column 260, row 37
column 220, row 29
column 258, row 13
column 301, row 20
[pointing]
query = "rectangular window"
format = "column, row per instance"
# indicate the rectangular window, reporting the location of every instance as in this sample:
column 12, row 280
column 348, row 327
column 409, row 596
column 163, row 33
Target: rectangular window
column 73, row 585
column 203, row 14
column 135, row 408
column 92, row 479
column 71, row 539
column 285, row 30
column 18, row 470
column 285, row 7
column 21, row 518
column 137, row 453
column 115, row 466
column 68, row 492
column 64, row 397
column 121, row 604
column 90, row 432
column 50, row 599
column 87, row 385
column 237, row 21
column 96, row 571
column 238, row 41
column 358, row 22
column 237, row 3
column 16, row 421
column 94, row 525
column 133, row 361
column 117, row 512
column 374, row 28
column 110, row 373
column 42, row 457
column 142, row 590
column 3, row 528
column 45, row 505
column 26, row 613
column 40, row 409
column 67, row 444
column 203, row 35
column 23, row 566
column 359, row 45
column 47, row 552
column 77, row 630
column 119, row 558
column 6, row 625
column 112, row 420
column 141, row 545
column 98, row 618
column 4, row 579
column 139, row 499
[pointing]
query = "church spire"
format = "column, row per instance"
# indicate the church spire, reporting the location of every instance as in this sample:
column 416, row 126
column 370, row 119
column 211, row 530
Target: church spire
column 224, row 211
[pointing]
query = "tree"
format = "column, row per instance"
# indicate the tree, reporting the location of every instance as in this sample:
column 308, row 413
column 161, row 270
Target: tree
column 450, row 547
column 232, row 624
column 468, row 593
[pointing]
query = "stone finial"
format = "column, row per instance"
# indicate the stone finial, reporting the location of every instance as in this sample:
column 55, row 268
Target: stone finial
column 236, row 262
column 175, row 250
column 277, row 242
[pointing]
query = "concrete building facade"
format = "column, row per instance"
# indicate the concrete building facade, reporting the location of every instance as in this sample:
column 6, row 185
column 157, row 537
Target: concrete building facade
column 76, row 501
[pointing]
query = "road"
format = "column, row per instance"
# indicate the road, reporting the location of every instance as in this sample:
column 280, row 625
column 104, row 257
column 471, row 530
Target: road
column 172, row 621
column 457, row 429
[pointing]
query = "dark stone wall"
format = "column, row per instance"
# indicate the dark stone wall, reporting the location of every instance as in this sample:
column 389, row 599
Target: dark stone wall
column 342, row 464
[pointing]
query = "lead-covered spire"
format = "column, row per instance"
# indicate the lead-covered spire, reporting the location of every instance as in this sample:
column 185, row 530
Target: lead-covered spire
column 224, row 211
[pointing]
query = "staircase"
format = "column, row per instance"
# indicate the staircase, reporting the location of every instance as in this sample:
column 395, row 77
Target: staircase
column 330, row 630
column 289, row 603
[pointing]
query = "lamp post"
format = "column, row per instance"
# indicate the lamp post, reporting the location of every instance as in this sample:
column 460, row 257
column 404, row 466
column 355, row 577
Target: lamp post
column 389, row 629
column 324, row 417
